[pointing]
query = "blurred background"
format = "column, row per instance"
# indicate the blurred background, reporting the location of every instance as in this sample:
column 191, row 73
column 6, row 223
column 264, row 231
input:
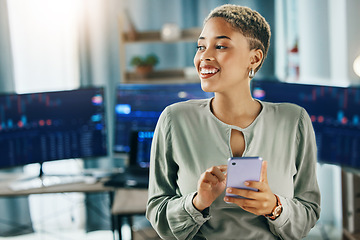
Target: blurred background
column 54, row 47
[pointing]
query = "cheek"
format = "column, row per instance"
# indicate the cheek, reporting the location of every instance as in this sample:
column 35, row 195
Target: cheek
column 196, row 60
column 235, row 62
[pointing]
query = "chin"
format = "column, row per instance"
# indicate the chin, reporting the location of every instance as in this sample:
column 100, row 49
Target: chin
column 207, row 87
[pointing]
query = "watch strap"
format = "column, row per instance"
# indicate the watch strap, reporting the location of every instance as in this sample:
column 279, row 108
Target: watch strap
column 276, row 211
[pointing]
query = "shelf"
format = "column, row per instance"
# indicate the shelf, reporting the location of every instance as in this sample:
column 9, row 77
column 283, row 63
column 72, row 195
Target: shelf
column 350, row 236
column 146, row 37
column 171, row 75
column 187, row 35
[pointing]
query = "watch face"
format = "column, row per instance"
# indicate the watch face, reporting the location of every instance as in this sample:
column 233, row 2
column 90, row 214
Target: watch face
column 277, row 211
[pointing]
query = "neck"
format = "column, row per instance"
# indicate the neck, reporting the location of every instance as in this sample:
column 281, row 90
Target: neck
column 236, row 108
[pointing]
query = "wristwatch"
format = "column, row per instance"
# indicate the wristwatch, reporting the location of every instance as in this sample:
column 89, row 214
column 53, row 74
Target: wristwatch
column 276, row 211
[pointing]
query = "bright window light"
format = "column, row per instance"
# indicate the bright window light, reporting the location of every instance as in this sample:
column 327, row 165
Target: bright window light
column 356, row 66
column 44, row 39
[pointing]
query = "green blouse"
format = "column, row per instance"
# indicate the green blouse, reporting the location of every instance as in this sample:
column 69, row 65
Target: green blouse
column 189, row 139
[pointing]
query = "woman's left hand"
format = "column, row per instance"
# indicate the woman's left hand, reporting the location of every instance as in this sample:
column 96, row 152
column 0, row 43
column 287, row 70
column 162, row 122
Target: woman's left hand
column 259, row 203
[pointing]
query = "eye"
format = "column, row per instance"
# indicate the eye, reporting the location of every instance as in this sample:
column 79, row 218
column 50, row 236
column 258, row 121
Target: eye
column 220, row 47
column 200, row 48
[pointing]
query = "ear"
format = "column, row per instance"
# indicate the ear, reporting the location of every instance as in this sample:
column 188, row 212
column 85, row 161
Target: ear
column 256, row 58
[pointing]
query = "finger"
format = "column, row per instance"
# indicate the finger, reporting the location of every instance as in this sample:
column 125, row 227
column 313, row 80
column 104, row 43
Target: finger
column 242, row 192
column 217, row 171
column 263, row 176
column 256, row 185
column 246, row 204
column 222, row 168
column 211, row 178
column 241, row 202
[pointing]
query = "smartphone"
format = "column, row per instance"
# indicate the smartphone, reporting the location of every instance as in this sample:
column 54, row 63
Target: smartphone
column 242, row 169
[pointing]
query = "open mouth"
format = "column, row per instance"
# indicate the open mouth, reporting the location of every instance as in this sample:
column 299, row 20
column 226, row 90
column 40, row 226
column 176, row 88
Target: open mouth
column 208, row 72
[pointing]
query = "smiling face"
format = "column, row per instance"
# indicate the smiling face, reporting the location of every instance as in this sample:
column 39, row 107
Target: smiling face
column 224, row 58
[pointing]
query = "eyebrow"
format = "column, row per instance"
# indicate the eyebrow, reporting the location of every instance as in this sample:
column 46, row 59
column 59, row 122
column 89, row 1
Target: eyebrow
column 218, row 37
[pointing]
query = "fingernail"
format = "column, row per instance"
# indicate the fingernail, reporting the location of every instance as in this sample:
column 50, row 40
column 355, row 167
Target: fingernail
column 229, row 190
column 226, row 199
column 246, row 183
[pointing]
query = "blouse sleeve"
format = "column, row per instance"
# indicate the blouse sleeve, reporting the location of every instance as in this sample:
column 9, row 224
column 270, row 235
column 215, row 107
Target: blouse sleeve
column 301, row 212
column 172, row 215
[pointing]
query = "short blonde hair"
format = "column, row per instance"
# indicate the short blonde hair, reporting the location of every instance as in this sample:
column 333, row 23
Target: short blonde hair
column 249, row 23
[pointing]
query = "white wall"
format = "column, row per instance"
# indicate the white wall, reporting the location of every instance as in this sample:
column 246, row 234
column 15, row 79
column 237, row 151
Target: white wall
column 353, row 37
column 314, row 48
column 44, row 44
column 329, row 41
column 329, row 180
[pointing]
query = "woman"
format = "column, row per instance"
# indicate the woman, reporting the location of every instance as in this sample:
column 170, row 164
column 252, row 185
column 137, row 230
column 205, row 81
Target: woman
column 194, row 139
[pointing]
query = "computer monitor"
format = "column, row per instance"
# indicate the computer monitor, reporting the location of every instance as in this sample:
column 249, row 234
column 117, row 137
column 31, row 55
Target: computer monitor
column 40, row 127
column 334, row 112
column 137, row 109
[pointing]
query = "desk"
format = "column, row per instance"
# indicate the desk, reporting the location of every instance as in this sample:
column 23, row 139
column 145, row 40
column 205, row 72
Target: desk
column 98, row 186
column 47, row 212
column 127, row 203
column 124, row 202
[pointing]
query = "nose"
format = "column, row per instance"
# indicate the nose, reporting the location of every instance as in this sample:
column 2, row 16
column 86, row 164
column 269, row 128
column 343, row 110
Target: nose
column 207, row 55
column 207, row 59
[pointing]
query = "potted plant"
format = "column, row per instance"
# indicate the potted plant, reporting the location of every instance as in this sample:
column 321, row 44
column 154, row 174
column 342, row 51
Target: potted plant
column 144, row 65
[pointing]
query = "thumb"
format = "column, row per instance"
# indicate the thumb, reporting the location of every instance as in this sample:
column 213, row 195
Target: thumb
column 263, row 175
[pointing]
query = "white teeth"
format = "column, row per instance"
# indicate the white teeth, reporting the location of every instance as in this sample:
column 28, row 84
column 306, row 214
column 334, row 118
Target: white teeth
column 208, row 71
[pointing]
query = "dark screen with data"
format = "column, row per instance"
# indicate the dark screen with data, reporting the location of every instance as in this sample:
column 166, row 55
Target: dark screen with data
column 137, row 109
column 334, row 112
column 46, row 126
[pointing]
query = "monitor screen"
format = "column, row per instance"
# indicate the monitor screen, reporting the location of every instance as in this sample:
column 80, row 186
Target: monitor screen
column 138, row 107
column 334, row 112
column 40, row 127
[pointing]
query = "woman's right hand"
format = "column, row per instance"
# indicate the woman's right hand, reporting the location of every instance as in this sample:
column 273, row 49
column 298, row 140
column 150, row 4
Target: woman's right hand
column 210, row 186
